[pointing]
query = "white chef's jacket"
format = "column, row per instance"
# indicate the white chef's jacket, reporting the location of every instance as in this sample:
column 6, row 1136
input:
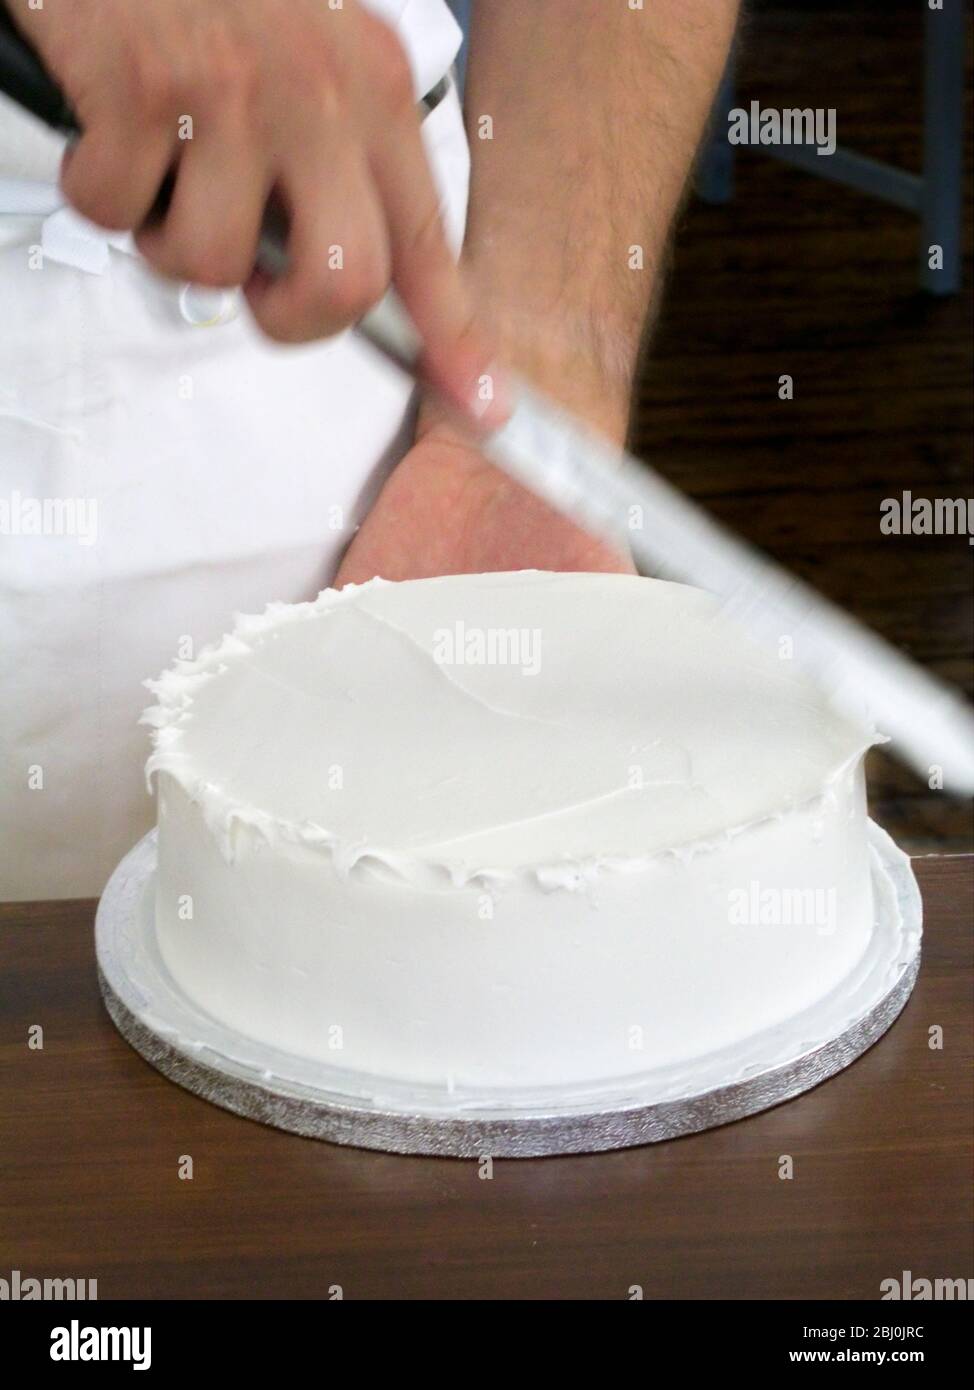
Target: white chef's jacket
column 180, row 468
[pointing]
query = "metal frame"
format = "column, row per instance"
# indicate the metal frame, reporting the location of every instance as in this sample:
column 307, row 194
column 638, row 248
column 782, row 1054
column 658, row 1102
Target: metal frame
column 935, row 195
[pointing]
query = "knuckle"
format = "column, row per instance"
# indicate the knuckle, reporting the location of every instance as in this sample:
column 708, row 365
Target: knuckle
column 353, row 291
column 213, row 262
column 390, row 67
column 98, row 203
column 233, row 72
column 314, row 78
column 280, row 323
column 155, row 85
column 209, row 258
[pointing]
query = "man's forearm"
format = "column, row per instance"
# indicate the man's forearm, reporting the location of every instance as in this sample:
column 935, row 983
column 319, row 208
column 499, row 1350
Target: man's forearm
column 593, row 113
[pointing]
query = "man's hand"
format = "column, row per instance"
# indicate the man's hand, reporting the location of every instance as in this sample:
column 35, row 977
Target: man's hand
column 289, row 97
column 447, row 510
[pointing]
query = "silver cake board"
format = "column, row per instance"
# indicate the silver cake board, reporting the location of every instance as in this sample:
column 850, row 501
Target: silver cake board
column 291, row 1093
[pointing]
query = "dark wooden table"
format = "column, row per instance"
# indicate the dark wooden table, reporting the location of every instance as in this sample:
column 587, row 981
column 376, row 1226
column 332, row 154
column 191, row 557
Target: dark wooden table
column 93, row 1138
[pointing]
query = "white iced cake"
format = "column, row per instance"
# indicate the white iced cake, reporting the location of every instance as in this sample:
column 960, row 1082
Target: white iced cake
column 505, row 830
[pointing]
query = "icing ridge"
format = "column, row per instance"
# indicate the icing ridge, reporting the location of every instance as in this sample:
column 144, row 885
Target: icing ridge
column 439, row 857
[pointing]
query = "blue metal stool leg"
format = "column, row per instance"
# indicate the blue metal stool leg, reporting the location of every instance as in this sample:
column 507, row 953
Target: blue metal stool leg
column 715, row 169
column 943, row 145
column 463, row 11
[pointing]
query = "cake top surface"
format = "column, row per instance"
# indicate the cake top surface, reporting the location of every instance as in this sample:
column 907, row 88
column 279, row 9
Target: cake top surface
column 493, row 723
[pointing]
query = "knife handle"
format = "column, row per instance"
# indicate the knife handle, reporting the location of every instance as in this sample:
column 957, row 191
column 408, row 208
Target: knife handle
column 24, row 77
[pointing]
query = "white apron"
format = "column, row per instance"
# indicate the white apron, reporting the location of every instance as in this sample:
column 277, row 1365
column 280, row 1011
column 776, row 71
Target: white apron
column 161, row 467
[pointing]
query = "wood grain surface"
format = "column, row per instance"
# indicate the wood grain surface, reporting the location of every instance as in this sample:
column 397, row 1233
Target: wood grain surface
column 92, row 1139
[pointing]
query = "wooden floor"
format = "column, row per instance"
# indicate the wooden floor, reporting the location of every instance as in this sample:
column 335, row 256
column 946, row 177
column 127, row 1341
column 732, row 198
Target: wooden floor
column 799, row 276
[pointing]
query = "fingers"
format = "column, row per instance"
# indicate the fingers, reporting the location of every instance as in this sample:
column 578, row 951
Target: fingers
column 458, row 360
column 338, row 251
column 112, row 174
column 211, row 230
column 127, row 99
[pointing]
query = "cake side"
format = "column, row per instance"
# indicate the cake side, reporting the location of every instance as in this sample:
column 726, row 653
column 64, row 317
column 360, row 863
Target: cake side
column 460, row 986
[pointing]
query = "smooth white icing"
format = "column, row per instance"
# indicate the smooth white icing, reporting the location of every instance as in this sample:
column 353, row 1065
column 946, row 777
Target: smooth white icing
column 493, row 873
column 485, row 767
